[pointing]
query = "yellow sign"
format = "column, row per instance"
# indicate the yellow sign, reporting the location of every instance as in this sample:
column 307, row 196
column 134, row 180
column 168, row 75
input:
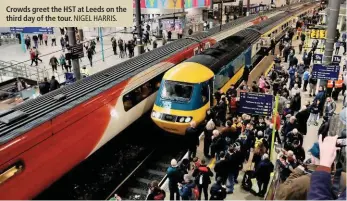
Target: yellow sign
column 318, row 33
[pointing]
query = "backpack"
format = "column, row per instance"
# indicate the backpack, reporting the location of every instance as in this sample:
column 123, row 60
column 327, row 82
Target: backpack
column 233, row 103
column 195, row 193
column 160, row 195
column 258, row 142
column 247, row 180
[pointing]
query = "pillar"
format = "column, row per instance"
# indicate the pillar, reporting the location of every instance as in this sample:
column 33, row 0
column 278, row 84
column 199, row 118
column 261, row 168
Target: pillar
column 75, row 62
column 80, row 33
column 138, row 26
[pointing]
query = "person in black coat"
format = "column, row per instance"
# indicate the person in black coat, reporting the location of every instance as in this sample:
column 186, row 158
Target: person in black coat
column 202, row 176
column 44, row 86
column 289, row 126
column 301, row 118
column 54, row 84
column 192, row 139
column 262, row 174
column 324, row 127
column 299, row 151
column 246, row 72
column 221, row 168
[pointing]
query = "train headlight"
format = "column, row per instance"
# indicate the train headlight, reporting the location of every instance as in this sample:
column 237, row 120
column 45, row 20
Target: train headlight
column 155, row 114
column 181, row 120
column 188, row 119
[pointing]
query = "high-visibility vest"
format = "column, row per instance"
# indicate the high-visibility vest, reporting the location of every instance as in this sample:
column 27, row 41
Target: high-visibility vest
column 338, row 83
column 330, row 84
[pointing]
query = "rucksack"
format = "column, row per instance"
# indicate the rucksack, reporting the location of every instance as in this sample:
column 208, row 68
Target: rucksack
column 160, row 195
column 233, row 103
column 258, row 142
column 195, row 193
column 247, row 180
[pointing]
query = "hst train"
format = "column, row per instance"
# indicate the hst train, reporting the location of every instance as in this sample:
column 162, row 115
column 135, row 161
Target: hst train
column 186, row 91
column 44, row 138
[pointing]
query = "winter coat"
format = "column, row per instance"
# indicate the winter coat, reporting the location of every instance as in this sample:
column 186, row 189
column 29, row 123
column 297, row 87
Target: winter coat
column 296, row 186
column 291, row 137
column 288, row 127
column 324, row 128
column 186, row 190
column 204, row 172
column 263, row 170
column 192, row 137
column 330, row 107
column 320, row 186
column 302, row 118
column 54, row 84
column 44, row 87
column 221, row 168
column 174, row 177
column 217, row 192
column 155, row 192
column 299, row 153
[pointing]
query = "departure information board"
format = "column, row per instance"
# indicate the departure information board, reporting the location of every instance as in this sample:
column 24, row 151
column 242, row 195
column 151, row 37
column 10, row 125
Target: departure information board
column 255, row 103
column 328, row 72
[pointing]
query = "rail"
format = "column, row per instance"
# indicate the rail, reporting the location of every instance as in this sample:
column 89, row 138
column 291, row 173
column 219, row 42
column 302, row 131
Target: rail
column 130, row 175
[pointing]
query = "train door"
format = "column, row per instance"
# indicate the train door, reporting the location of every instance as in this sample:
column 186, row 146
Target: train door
column 210, row 87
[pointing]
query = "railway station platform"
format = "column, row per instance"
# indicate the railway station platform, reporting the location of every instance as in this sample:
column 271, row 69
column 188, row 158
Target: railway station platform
column 13, row 54
column 309, row 139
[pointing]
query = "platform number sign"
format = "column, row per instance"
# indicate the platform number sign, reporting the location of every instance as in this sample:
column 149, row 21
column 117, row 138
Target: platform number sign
column 318, row 57
column 336, row 59
column 318, row 33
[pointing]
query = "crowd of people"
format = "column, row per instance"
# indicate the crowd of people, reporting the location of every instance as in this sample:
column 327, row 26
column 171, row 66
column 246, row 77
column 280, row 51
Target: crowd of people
column 235, row 139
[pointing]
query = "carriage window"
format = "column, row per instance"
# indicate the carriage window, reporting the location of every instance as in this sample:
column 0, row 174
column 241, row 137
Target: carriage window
column 138, row 94
column 207, row 45
column 11, row 171
column 196, row 51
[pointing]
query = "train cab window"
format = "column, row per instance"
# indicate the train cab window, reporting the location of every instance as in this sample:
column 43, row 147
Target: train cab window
column 140, row 93
column 205, row 92
column 177, row 91
column 11, row 171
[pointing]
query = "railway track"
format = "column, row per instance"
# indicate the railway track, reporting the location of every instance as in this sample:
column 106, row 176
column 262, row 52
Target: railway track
column 153, row 167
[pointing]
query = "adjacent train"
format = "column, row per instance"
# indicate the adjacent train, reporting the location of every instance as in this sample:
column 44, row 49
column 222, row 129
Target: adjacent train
column 44, row 138
column 186, row 91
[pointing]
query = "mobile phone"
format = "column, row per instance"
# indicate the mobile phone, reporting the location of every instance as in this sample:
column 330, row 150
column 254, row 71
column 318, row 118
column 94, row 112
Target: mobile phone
column 341, row 142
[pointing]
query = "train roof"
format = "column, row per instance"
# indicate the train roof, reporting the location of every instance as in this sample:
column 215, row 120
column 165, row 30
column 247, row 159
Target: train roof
column 32, row 113
column 189, row 72
column 231, row 47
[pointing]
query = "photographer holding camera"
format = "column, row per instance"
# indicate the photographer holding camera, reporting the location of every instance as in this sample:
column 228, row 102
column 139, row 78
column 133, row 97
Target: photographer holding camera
column 321, row 185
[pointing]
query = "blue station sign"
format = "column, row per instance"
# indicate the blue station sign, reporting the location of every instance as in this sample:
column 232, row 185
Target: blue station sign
column 337, row 59
column 32, row 30
column 329, row 72
column 255, row 103
column 318, row 57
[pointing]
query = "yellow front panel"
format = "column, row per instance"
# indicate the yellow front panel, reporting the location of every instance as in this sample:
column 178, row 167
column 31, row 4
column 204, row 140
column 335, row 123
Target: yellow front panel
column 176, row 127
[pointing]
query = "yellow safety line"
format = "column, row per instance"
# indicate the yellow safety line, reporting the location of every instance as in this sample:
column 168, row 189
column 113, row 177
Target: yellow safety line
column 212, row 162
column 268, row 69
